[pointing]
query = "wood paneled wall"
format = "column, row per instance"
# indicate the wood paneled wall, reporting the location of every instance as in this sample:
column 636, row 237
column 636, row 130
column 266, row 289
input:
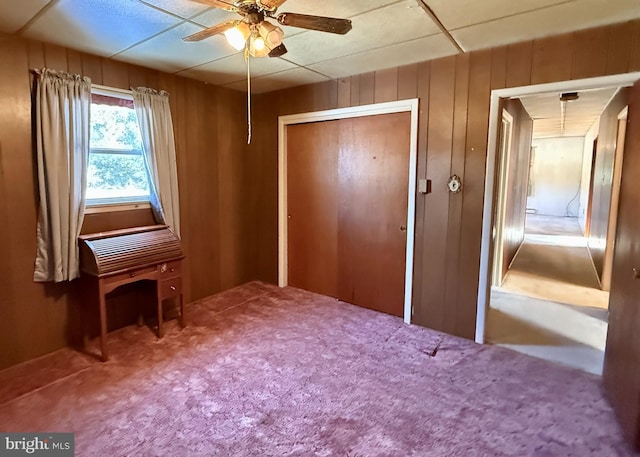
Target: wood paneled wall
column 517, row 181
column 454, row 97
column 214, row 195
column 603, row 180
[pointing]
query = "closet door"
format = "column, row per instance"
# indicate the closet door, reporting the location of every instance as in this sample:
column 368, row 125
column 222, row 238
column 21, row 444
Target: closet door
column 347, row 208
column 374, row 177
column 312, row 206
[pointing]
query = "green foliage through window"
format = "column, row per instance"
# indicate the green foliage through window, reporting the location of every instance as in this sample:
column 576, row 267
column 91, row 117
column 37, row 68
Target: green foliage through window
column 116, row 165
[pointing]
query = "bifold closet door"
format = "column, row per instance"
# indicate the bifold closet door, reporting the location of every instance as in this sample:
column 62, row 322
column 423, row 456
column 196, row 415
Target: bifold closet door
column 373, row 171
column 347, row 183
column 312, row 206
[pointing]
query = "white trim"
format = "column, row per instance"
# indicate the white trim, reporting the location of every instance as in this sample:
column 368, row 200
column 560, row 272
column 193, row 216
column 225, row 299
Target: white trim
column 111, row 91
column 624, row 113
column 115, row 207
column 346, row 113
column 498, row 233
column 602, row 82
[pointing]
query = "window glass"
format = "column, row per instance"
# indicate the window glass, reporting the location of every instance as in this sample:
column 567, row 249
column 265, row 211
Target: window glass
column 117, row 172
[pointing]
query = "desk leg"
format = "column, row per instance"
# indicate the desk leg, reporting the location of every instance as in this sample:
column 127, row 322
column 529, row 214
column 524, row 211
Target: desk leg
column 160, row 317
column 103, row 325
column 181, row 312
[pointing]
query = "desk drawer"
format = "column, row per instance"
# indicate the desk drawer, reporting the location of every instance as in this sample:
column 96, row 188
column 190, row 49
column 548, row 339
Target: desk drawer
column 170, row 288
column 170, row 269
column 131, row 275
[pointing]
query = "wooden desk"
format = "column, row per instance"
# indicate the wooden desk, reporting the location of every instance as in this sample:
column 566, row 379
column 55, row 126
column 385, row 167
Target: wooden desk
column 113, row 259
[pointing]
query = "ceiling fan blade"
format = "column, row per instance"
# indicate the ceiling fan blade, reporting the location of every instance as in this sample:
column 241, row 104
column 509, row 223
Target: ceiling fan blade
column 270, row 5
column 321, row 23
column 222, row 4
column 206, row 33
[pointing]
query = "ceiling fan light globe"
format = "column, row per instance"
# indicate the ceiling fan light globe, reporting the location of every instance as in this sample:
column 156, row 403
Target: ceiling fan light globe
column 257, row 47
column 258, row 44
column 237, row 36
column 271, row 34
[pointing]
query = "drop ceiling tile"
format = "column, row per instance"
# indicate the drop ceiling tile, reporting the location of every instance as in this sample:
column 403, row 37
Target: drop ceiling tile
column 462, row 13
column 372, row 30
column 419, row 50
column 580, row 114
column 214, row 16
column 575, row 15
column 167, row 51
column 277, row 81
column 14, row 15
column 234, row 69
column 102, row 27
column 183, row 8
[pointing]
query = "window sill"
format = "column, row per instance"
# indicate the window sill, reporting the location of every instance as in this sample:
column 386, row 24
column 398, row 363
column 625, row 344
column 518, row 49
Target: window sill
column 115, row 207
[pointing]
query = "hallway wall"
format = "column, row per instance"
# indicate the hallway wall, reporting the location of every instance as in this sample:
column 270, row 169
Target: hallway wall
column 517, row 180
column 603, row 179
column 585, row 184
column 556, row 176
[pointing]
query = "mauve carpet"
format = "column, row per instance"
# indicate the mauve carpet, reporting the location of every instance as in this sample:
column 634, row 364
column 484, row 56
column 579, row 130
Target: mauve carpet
column 263, row 371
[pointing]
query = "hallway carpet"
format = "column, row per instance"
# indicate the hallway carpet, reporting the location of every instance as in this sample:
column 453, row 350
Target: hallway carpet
column 545, row 269
column 263, row 371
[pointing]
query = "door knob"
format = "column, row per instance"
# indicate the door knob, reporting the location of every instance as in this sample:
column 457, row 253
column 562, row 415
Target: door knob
column 636, row 273
column 403, row 228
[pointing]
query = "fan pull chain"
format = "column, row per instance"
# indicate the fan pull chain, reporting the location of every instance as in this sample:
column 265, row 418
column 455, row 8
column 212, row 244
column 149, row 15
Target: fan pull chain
column 247, row 58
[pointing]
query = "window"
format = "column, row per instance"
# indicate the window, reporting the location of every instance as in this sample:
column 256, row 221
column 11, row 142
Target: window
column 117, row 172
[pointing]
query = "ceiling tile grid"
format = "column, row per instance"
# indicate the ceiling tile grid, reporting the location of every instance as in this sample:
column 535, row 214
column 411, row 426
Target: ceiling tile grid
column 15, row 15
column 385, row 33
column 102, row 27
column 549, row 121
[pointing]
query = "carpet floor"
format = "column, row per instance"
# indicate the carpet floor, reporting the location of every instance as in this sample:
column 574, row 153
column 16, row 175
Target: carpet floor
column 263, row 371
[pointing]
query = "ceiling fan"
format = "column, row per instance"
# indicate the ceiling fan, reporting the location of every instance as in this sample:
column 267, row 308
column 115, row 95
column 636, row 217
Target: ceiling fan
column 256, row 34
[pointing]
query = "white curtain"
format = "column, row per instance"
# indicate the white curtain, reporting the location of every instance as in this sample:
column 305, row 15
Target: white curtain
column 156, row 126
column 62, row 106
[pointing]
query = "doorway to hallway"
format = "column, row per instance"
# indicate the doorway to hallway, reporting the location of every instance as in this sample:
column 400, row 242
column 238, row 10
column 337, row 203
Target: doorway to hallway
column 550, row 304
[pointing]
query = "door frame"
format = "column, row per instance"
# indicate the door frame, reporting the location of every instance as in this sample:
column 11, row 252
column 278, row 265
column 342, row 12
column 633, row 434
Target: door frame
column 484, row 279
column 410, row 105
column 618, row 160
column 506, row 137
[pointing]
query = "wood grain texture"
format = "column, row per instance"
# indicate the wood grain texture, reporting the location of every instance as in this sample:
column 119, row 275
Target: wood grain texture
column 313, row 198
column 517, row 181
column 603, row 180
column 40, row 318
column 367, row 88
column 552, row 58
column 347, row 183
column 373, row 176
column 407, row 82
column 591, row 56
column 460, row 116
column 519, row 61
column 633, row 42
column 344, row 92
column 386, row 85
column 473, row 193
column 438, row 167
column 621, row 374
column 546, row 60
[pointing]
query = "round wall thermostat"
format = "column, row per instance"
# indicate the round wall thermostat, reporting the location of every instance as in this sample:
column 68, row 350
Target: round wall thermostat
column 454, row 184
